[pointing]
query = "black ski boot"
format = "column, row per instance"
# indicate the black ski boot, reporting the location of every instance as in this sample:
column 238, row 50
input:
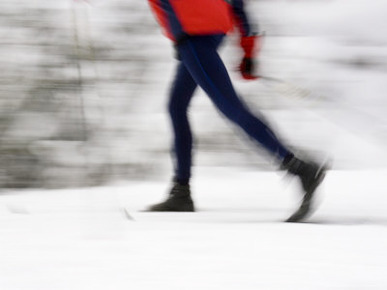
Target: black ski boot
column 311, row 175
column 179, row 200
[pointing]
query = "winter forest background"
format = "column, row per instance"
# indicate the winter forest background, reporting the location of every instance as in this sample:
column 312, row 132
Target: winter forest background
column 84, row 89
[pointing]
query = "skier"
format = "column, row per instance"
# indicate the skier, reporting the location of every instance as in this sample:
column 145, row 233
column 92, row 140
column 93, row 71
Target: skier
column 197, row 28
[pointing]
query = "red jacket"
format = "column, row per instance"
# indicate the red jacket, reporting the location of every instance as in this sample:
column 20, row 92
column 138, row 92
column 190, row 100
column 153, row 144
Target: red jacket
column 199, row 17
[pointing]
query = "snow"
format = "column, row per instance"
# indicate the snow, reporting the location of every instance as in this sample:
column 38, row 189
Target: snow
column 83, row 239
column 98, row 238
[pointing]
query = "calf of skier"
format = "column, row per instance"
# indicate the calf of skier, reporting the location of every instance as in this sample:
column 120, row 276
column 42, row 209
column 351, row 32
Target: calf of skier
column 197, row 28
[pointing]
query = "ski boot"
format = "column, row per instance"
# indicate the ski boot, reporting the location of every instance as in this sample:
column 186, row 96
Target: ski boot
column 311, row 175
column 179, row 199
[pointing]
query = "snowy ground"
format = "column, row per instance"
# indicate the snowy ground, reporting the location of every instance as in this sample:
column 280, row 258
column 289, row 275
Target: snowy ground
column 96, row 238
column 83, row 239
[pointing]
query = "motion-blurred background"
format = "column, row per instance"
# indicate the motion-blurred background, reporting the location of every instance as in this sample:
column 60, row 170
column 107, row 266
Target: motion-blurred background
column 83, row 90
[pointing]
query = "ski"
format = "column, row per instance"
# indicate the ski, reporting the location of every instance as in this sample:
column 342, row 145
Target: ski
column 205, row 216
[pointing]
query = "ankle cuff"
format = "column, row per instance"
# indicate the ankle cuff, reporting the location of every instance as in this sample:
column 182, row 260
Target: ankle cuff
column 181, row 181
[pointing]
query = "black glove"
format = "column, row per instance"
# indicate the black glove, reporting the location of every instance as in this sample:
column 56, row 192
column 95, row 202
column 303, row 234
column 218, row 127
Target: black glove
column 247, row 68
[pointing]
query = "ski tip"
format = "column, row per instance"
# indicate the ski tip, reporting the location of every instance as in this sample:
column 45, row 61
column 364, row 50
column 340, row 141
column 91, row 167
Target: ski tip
column 302, row 213
column 296, row 219
column 128, row 215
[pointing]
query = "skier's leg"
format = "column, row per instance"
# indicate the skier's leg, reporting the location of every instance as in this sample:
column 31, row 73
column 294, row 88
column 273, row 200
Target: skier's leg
column 201, row 59
column 181, row 93
column 182, row 90
column 199, row 55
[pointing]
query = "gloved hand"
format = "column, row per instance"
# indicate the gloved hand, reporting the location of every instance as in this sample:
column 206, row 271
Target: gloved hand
column 247, row 69
column 251, row 46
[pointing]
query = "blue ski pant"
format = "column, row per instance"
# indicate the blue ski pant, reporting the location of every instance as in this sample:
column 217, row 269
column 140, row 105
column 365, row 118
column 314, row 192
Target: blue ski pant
column 200, row 64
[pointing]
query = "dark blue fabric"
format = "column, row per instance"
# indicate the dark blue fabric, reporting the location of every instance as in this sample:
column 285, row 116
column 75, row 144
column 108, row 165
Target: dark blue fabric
column 242, row 19
column 201, row 65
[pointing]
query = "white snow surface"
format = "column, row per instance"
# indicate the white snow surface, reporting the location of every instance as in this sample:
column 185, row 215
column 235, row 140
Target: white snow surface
column 98, row 238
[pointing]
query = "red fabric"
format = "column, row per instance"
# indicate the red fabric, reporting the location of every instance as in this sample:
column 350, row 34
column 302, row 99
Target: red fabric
column 161, row 17
column 251, row 45
column 248, row 45
column 197, row 17
column 203, row 16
